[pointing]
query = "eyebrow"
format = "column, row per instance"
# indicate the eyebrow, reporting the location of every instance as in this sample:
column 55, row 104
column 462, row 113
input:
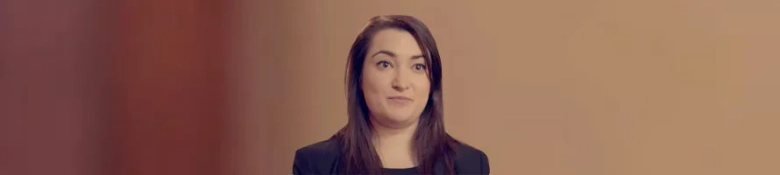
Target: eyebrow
column 391, row 54
column 388, row 53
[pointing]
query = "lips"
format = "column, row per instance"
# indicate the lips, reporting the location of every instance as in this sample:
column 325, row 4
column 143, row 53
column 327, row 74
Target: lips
column 399, row 100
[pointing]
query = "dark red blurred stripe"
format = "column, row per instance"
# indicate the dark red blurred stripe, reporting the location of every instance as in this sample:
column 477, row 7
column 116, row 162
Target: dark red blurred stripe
column 168, row 87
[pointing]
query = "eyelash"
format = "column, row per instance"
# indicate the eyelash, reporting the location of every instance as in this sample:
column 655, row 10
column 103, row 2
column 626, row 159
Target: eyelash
column 416, row 66
column 421, row 66
column 380, row 63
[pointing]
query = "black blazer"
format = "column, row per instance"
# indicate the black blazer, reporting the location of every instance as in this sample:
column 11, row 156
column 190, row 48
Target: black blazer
column 324, row 158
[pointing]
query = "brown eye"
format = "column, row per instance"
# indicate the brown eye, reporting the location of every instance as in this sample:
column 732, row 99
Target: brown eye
column 419, row 67
column 383, row 64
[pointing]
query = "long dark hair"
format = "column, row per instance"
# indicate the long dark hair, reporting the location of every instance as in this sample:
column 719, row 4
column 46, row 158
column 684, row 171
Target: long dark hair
column 431, row 142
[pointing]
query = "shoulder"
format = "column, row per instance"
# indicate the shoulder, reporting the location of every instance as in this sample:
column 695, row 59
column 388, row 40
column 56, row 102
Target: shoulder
column 471, row 160
column 317, row 158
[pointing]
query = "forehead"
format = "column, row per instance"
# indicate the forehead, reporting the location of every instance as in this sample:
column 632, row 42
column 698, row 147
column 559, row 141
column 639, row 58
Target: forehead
column 398, row 41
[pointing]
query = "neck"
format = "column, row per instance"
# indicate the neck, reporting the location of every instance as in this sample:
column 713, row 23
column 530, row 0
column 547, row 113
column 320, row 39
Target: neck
column 394, row 143
column 393, row 136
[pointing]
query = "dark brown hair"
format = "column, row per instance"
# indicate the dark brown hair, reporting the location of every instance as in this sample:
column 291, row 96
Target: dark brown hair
column 431, row 142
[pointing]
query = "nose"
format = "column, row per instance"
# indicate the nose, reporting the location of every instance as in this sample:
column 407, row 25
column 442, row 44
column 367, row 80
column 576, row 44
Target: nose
column 401, row 81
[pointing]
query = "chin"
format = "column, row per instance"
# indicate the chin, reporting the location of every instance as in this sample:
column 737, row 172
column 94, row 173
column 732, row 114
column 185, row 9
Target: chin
column 401, row 118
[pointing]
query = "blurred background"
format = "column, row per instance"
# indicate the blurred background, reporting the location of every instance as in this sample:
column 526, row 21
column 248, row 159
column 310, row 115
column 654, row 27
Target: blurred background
column 560, row 87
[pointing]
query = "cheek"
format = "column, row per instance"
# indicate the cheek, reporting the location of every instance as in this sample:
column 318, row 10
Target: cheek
column 423, row 87
column 372, row 84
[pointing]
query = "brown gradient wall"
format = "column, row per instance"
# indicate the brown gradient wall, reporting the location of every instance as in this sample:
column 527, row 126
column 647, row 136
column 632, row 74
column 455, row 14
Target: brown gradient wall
column 543, row 87
column 149, row 87
column 51, row 96
column 130, row 87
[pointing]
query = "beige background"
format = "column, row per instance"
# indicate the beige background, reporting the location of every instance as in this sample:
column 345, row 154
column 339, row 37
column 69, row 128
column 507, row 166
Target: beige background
column 543, row 87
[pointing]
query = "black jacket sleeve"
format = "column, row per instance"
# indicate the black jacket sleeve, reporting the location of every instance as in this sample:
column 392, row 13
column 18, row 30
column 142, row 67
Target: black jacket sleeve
column 484, row 163
column 319, row 158
column 472, row 161
column 302, row 164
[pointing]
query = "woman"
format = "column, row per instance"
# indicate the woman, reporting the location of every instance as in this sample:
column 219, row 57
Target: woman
column 394, row 101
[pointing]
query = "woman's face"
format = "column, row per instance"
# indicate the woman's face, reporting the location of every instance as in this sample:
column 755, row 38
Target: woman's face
column 395, row 78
